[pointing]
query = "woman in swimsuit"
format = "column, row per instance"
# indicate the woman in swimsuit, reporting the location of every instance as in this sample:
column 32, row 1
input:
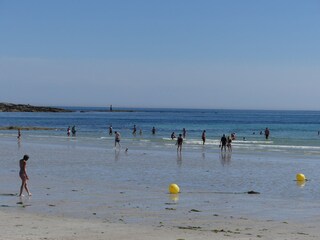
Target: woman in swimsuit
column 23, row 174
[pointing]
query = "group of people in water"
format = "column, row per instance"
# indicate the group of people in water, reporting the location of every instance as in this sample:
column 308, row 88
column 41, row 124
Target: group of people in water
column 71, row 130
column 225, row 141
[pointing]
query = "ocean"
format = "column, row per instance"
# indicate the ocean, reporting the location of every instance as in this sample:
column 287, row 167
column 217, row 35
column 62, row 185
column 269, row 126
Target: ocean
column 291, row 131
column 78, row 175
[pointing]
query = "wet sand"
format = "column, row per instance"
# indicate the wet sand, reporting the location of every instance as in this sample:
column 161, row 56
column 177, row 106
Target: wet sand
column 82, row 192
column 19, row 225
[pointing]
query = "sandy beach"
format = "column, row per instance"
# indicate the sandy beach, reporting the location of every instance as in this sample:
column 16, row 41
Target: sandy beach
column 22, row 226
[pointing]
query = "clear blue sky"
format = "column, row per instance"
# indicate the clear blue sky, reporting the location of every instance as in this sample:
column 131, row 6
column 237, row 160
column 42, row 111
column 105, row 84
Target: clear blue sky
column 238, row 54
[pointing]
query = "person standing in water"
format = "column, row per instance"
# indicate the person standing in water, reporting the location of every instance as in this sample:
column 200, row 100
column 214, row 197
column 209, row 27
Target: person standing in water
column 229, row 141
column 153, row 130
column 117, row 139
column 223, row 142
column 23, row 175
column 110, row 130
column 203, row 136
column 179, row 143
column 267, row 133
column 73, row 130
column 134, row 130
column 19, row 134
column 184, row 133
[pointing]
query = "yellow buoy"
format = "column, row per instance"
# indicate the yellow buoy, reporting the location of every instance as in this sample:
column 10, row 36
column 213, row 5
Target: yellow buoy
column 174, row 188
column 300, row 177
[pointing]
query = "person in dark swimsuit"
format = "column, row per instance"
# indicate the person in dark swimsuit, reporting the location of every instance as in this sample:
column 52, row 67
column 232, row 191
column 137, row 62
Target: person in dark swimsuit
column 110, row 130
column 173, row 135
column 184, row 133
column 179, row 142
column 117, row 139
column 19, row 134
column 23, row 175
column 267, row 133
column 203, row 136
column 73, row 130
column 223, row 142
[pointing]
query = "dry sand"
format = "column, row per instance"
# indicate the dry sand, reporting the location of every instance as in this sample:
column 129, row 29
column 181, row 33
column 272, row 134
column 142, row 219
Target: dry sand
column 18, row 225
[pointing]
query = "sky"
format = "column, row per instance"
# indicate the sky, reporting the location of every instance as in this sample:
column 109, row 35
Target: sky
column 217, row 54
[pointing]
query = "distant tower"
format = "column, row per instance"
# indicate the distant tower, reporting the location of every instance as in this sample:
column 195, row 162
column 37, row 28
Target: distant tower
column 111, row 108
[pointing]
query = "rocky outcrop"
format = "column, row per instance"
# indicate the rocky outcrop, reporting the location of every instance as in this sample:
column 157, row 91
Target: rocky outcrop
column 26, row 128
column 10, row 107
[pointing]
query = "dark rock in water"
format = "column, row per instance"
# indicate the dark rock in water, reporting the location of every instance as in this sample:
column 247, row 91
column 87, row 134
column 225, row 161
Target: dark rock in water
column 194, row 210
column 10, row 107
column 26, row 128
column 253, row 192
column 8, row 194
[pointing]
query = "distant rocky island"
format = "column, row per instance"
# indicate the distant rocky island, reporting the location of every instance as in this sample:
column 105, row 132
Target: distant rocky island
column 10, row 107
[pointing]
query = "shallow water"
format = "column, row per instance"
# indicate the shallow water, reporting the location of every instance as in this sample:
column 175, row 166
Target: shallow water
column 78, row 180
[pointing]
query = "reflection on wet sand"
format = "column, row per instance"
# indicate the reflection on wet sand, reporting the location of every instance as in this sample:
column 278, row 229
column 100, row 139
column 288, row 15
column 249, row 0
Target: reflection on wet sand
column 225, row 158
column 179, row 159
column 116, row 155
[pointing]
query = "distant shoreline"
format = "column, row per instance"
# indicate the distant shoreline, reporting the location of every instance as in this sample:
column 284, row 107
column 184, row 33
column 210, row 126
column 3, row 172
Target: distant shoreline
column 11, row 107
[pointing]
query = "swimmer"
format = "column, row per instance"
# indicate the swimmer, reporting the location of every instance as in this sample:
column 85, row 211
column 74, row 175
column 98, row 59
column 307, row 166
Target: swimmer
column 233, row 136
column 173, row 135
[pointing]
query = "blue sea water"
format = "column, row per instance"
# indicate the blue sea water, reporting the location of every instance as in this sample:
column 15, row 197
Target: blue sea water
column 290, row 130
column 80, row 174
